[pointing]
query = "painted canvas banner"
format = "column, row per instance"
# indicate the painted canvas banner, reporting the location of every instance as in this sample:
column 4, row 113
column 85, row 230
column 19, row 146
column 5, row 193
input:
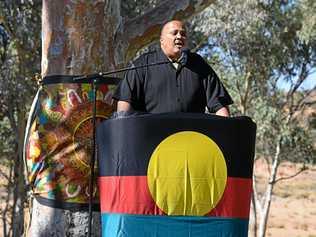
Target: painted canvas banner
column 176, row 174
column 58, row 141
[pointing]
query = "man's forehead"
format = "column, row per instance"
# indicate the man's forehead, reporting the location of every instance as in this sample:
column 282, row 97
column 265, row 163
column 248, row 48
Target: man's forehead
column 173, row 25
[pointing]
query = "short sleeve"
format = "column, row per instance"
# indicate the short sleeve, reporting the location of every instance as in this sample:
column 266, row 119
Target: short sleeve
column 130, row 89
column 216, row 94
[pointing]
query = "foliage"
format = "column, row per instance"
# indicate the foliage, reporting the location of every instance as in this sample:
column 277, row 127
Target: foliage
column 21, row 54
column 255, row 51
column 6, row 141
column 19, row 62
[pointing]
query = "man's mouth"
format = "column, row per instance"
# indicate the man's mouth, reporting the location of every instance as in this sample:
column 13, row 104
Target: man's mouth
column 179, row 44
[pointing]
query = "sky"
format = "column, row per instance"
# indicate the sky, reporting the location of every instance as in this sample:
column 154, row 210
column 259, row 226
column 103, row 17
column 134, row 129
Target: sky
column 309, row 83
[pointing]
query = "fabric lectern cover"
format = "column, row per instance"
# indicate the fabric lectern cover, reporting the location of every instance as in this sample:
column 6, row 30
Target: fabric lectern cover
column 177, row 174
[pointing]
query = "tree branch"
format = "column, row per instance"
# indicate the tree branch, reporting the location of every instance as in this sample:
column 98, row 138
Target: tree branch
column 303, row 102
column 3, row 174
column 201, row 44
column 303, row 75
column 293, row 175
column 255, row 193
column 145, row 29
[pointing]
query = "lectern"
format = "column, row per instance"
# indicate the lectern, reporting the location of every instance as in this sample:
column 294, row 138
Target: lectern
column 175, row 174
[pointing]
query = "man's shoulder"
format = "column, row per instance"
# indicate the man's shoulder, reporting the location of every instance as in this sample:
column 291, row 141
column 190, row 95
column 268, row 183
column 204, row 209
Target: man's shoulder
column 198, row 62
column 197, row 58
column 147, row 57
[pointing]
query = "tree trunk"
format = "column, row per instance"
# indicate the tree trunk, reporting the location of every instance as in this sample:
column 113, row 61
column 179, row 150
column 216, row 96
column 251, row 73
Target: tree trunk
column 19, row 187
column 78, row 36
column 7, row 208
column 264, row 213
column 254, row 215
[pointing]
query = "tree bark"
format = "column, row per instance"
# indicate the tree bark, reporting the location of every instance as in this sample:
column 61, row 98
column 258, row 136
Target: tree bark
column 254, row 209
column 6, row 226
column 19, row 182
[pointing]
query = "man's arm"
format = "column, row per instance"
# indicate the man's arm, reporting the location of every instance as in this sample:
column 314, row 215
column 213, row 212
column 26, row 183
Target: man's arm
column 224, row 111
column 123, row 106
column 218, row 98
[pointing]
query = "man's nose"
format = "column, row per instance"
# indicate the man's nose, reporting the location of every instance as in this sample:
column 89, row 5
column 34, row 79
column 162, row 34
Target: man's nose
column 179, row 35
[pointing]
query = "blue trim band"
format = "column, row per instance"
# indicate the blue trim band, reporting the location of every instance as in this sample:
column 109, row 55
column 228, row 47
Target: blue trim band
column 122, row 225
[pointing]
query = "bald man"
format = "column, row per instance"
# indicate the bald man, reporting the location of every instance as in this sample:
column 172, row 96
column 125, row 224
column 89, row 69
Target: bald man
column 189, row 86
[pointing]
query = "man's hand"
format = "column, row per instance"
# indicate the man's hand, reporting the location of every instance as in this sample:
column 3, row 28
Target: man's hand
column 223, row 112
column 123, row 106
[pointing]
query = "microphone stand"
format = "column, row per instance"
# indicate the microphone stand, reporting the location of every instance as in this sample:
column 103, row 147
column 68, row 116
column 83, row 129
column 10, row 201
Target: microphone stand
column 92, row 160
column 95, row 79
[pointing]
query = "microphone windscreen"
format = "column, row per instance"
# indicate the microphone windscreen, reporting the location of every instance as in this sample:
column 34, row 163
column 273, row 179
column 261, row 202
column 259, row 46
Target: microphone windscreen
column 184, row 56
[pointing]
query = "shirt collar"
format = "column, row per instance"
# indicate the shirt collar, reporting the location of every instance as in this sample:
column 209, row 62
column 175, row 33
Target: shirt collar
column 163, row 57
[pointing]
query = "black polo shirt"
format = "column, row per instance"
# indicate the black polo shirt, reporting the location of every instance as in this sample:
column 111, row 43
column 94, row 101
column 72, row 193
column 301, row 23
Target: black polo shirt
column 163, row 88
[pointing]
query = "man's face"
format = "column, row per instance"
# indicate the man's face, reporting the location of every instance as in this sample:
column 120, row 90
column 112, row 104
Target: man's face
column 173, row 38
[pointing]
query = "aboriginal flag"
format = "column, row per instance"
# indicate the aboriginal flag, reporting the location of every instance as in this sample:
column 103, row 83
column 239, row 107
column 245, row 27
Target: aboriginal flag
column 175, row 174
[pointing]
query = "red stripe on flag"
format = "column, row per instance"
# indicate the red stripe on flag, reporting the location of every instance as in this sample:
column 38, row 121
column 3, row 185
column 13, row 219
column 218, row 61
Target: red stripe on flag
column 130, row 195
column 235, row 201
column 127, row 194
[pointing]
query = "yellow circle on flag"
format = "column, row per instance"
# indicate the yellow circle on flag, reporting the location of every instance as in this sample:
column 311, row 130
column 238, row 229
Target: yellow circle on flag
column 187, row 174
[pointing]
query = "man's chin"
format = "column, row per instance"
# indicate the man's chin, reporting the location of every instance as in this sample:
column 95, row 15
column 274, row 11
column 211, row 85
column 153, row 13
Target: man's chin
column 177, row 50
column 179, row 47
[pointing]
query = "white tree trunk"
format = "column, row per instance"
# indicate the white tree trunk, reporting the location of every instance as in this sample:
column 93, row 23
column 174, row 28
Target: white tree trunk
column 264, row 212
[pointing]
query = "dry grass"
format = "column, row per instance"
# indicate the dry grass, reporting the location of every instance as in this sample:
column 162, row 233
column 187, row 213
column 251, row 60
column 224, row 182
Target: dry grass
column 293, row 209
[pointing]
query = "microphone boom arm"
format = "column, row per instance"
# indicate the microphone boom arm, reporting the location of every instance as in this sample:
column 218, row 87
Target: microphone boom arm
column 101, row 75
